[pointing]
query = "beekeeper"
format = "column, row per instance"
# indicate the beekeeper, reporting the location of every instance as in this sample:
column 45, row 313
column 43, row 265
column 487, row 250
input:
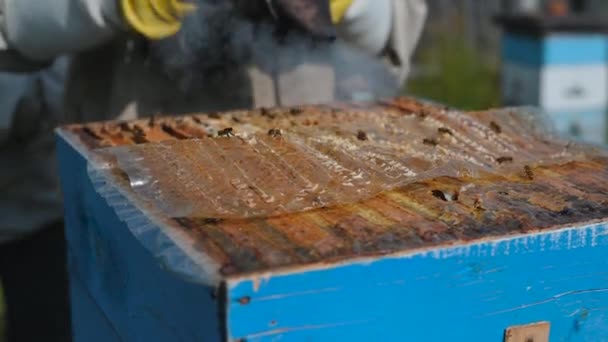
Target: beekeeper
column 112, row 75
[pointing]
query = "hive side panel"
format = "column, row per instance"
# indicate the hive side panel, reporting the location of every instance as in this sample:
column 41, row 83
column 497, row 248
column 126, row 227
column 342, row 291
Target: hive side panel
column 470, row 293
column 89, row 323
column 140, row 299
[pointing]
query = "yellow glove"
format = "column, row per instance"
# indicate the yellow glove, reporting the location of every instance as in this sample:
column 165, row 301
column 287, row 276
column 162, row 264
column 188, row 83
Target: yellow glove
column 338, row 9
column 156, row 19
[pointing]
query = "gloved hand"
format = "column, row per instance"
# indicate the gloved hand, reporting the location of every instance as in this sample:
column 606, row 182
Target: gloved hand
column 310, row 16
column 156, row 19
column 364, row 23
column 338, row 9
column 40, row 31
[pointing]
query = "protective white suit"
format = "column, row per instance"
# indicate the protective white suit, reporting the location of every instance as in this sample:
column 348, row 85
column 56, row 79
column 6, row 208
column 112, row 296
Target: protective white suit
column 111, row 76
column 30, row 107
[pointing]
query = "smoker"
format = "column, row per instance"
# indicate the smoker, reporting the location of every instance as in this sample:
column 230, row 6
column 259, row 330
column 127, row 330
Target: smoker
column 417, row 222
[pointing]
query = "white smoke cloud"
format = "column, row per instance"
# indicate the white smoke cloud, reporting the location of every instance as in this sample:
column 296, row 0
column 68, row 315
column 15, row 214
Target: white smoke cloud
column 217, row 44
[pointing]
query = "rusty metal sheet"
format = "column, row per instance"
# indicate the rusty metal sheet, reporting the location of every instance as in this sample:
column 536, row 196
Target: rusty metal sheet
column 524, row 181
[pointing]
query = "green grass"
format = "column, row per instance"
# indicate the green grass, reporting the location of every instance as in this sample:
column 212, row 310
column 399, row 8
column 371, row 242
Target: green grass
column 462, row 77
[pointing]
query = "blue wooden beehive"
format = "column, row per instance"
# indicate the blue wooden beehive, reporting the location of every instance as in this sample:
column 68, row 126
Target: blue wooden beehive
column 560, row 65
column 513, row 255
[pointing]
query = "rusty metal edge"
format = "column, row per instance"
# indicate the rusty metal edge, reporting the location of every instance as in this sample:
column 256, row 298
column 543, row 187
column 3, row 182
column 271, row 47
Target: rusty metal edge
column 259, row 276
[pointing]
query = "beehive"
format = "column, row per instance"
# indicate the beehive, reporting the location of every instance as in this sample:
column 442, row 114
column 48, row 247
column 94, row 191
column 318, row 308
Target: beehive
column 345, row 222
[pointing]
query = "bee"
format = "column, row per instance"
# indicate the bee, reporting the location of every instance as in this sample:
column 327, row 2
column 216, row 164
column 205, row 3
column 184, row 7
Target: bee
column 124, row 127
column 439, row 194
column 502, row 160
column 422, row 113
column 137, row 130
column 226, row 132
column 266, row 112
column 173, row 132
column 152, row 121
column 139, row 135
column 528, row 171
column 495, row 127
column 444, row 130
column 361, row 135
column 91, row 133
column 430, row 142
column 275, row 133
column 478, row 205
column 212, row 220
column 296, row 111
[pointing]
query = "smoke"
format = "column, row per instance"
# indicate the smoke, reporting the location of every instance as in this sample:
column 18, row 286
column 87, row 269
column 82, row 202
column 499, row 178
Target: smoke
column 217, row 44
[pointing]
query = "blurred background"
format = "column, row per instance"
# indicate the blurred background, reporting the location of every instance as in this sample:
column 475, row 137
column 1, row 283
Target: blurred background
column 478, row 54
column 458, row 58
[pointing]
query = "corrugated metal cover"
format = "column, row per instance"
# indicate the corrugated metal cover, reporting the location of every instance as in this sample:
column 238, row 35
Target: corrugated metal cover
column 259, row 190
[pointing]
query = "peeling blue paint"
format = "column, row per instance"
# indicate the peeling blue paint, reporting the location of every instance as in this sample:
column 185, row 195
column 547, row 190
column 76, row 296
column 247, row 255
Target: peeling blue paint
column 465, row 293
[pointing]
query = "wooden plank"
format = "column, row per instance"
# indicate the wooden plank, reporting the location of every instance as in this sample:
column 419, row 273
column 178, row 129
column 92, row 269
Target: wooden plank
column 535, row 332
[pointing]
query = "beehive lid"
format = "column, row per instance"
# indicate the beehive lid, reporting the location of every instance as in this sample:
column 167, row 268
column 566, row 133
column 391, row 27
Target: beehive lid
column 280, row 189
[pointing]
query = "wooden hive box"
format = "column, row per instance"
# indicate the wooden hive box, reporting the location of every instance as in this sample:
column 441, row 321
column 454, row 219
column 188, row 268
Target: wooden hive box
column 418, row 223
